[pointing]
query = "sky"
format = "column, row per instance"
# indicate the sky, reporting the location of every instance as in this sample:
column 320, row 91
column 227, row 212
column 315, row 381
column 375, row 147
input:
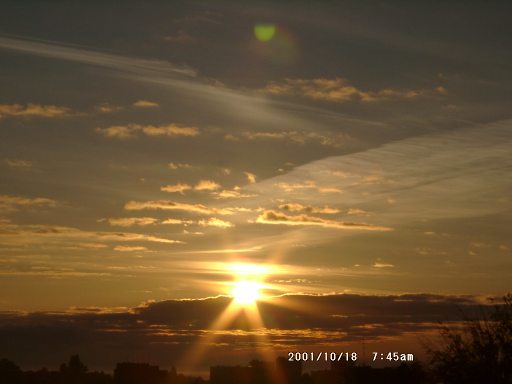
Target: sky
column 352, row 158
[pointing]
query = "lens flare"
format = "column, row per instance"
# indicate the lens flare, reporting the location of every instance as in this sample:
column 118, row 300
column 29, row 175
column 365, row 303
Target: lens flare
column 264, row 32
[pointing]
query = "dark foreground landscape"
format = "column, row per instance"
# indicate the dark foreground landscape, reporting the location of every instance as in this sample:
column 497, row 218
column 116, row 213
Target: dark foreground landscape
column 256, row 372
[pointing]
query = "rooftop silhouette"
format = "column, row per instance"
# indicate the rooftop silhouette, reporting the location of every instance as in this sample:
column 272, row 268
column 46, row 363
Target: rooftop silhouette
column 281, row 371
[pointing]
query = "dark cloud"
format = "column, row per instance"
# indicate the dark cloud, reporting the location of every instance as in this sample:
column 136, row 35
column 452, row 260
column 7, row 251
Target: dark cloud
column 164, row 331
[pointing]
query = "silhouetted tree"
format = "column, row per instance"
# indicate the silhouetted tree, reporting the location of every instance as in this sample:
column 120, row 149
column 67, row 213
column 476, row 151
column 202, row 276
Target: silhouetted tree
column 74, row 371
column 479, row 352
column 10, row 372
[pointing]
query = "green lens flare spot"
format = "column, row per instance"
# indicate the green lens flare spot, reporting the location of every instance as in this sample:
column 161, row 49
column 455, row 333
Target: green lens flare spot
column 264, row 32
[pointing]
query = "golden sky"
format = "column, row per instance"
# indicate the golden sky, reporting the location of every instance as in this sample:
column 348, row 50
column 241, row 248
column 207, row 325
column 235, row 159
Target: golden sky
column 149, row 152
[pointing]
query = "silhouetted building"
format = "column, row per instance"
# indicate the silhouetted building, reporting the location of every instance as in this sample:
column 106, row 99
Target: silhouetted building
column 281, row 371
column 258, row 372
column 289, row 372
column 231, row 375
column 138, row 373
column 349, row 373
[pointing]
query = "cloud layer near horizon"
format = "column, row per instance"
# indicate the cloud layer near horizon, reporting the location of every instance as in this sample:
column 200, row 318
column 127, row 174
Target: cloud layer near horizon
column 167, row 330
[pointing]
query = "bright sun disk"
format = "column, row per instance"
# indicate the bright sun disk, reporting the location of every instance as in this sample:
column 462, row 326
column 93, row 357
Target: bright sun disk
column 246, row 292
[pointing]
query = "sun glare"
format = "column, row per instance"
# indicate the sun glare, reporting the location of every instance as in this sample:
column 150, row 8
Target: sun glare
column 248, row 283
column 246, row 292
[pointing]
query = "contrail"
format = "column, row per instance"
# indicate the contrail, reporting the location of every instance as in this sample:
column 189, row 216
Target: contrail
column 80, row 55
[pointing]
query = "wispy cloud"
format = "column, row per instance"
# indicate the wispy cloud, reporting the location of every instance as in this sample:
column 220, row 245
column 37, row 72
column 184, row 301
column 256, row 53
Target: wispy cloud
column 131, row 221
column 332, row 139
column 126, row 248
column 108, row 108
column 278, row 218
column 235, row 193
column 207, row 185
column 145, row 104
column 178, row 222
column 209, row 222
column 339, row 90
column 12, row 203
column 18, row 163
column 215, row 222
column 168, row 205
column 297, row 207
column 63, row 52
column 32, row 110
column 227, row 250
column 406, row 179
column 180, row 37
column 131, row 131
column 251, row 177
column 305, row 185
column 16, row 235
column 382, row 264
column 176, row 188
column 175, row 166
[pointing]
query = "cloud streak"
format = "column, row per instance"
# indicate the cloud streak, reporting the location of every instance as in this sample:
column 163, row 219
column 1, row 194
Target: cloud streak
column 331, row 139
column 409, row 178
column 339, row 90
column 12, row 203
column 33, row 110
column 278, row 218
column 76, row 54
column 168, row 205
column 21, row 235
column 131, row 131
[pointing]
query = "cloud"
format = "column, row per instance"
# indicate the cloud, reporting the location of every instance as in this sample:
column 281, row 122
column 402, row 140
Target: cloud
column 15, row 235
column 165, row 329
column 211, row 222
column 170, row 130
column 128, row 64
column 207, row 185
column 215, row 222
column 181, row 37
column 290, row 187
column 356, row 211
column 273, row 217
column 225, row 251
column 251, row 177
column 131, row 221
column 406, row 179
column 53, row 273
column 125, row 248
column 131, row 131
column 308, row 184
column 108, row 108
column 168, row 205
column 13, row 203
column 145, row 104
column 18, row 163
column 118, row 131
column 329, row 190
column 33, row 110
column 331, row 139
column 297, row 207
column 175, row 166
column 234, row 193
column 185, row 232
column 176, row 188
column 339, row 90
column 381, row 264
column 178, row 222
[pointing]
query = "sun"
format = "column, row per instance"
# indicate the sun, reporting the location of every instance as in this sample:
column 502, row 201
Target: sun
column 246, row 292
